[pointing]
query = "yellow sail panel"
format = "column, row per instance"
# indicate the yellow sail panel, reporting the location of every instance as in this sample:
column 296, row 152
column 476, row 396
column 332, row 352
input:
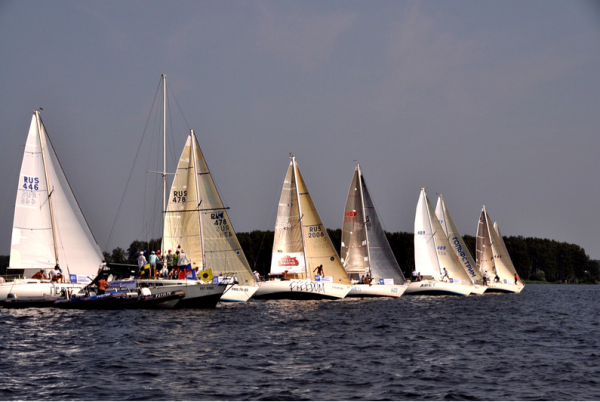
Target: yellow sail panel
column 318, row 247
column 182, row 225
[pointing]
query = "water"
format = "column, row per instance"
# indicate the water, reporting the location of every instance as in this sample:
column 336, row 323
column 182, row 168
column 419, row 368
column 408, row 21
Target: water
column 541, row 344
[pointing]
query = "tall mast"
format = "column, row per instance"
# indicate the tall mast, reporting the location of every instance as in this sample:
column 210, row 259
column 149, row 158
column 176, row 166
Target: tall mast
column 164, row 174
column 301, row 215
column 194, row 165
column 362, row 205
column 48, row 183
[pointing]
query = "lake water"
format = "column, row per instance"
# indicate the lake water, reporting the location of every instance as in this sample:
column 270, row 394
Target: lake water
column 541, row 344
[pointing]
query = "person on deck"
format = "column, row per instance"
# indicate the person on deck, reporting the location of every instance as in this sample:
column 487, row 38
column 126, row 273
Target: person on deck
column 141, row 262
column 319, row 270
column 445, row 276
column 39, row 275
column 102, row 286
column 183, row 262
column 516, row 278
column 55, row 274
column 153, row 261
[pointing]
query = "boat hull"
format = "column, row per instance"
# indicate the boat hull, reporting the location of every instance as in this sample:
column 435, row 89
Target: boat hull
column 361, row 290
column 478, row 289
column 429, row 287
column 504, row 288
column 301, row 290
column 36, row 289
column 238, row 293
column 197, row 294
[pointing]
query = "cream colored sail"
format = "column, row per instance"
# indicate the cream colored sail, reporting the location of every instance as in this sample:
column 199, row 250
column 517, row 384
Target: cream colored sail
column 484, row 256
column 317, row 245
column 504, row 266
column 49, row 227
column 288, row 248
column 197, row 220
column 426, row 259
column 456, row 241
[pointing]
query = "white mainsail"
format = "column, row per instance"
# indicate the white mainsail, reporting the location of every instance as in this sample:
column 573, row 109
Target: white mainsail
column 197, row 220
column 49, row 227
column 432, row 255
column 288, row 246
column 456, row 242
column 365, row 248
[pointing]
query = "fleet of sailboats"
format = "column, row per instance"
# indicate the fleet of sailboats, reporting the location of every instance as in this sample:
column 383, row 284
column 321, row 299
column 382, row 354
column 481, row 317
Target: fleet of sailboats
column 301, row 246
column 493, row 261
column 436, row 265
column 460, row 248
column 50, row 231
column 366, row 253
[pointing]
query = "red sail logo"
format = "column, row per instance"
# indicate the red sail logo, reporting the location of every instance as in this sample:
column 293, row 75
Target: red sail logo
column 288, row 261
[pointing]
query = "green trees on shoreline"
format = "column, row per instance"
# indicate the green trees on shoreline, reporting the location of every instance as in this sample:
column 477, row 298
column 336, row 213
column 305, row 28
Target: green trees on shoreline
column 535, row 259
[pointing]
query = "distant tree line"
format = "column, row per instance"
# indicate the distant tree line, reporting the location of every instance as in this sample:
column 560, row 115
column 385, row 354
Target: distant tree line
column 535, row 259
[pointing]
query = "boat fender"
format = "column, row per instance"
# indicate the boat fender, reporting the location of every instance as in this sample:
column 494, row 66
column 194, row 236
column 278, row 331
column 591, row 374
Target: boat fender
column 146, row 292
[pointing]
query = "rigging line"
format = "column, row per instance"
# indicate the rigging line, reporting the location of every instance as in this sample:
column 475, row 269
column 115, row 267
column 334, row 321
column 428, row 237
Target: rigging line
column 266, row 231
column 137, row 154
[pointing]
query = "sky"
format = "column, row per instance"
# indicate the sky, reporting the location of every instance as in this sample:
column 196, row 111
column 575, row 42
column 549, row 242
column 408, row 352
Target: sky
column 491, row 103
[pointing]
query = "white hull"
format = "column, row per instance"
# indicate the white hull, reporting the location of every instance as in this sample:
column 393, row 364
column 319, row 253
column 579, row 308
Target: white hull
column 431, row 287
column 478, row 289
column 301, row 290
column 33, row 288
column 504, row 288
column 361, row 290
column 238, row 293
column 197, row 294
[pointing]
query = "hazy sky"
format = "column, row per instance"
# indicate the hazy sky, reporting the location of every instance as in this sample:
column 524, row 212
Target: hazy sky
column 494, row 103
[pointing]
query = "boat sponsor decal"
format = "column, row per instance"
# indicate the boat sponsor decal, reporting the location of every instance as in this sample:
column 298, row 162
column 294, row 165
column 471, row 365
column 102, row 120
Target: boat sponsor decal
column 383, row 281
column 427, row 285
column 319, row 278
column 288, row 261
column 463, row 257
column 394, row 290
column 222, row 226
column 179, row 196
column 129, row 284
column 79, row 278
column 307, row 286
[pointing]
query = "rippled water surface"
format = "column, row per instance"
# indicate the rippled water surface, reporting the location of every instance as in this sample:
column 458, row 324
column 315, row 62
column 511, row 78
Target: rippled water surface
column 541, row 344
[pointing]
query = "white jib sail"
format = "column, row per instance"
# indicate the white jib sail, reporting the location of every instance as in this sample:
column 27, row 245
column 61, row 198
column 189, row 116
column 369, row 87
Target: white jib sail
column 456, row 241
column 426, row 259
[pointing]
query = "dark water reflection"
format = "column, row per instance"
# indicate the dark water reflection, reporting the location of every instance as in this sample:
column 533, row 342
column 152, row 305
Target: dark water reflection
column 542, row 344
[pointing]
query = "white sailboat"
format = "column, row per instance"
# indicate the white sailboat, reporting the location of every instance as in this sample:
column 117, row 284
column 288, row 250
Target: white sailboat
column 366, row 252
column 460, row 248
column 433, row 256
column 492, row 258
column 197, row 220
column 49, row 228
column 198, row 293
column 301, row 244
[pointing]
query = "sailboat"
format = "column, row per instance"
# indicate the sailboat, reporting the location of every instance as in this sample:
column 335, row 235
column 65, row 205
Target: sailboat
column 492, row 258
column 197, row 220
column 460, row 248
column 181, row 224
column 49, row 228
column 433, row 256
column 301, row 244
column 366, row 252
